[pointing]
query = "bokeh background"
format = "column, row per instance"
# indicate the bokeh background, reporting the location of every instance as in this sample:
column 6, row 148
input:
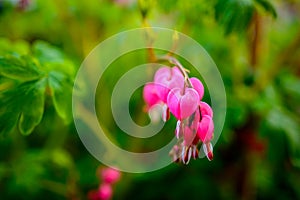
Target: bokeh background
column 255, row 44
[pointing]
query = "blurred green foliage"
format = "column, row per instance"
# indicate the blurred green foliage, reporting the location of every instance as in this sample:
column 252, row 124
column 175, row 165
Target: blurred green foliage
column 255, row 44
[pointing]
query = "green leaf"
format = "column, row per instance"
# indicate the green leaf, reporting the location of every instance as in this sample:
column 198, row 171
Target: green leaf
column 285, row 121
column 19, row 68
column 47, row 53
column 291, row 84
column 52, row 58
column 33, row 109
column 18, row 47
column 24, row 102
column 61, row 90
column 8, row 122
column 268, row 7
column 234, row 15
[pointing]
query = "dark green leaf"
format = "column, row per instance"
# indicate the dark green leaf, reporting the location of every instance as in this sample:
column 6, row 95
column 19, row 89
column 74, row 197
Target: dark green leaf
column 52, row 58
column 61, row 91
column 282, row 120
column 33, row 109
column 234, row 15
column 24, row 102
column 19, row 68
column 268, row 7
column 47, row 53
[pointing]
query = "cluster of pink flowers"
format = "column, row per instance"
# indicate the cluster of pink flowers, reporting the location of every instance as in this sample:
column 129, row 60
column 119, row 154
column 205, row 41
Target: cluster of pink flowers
column 174, row 92
column 108, row 177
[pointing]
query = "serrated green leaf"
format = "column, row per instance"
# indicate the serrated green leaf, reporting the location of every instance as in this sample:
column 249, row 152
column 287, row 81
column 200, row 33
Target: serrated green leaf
column 52, row 58
column 33, row 109
column 61, row 90
column 24, row 102
column 47, row 53
column 19, row 68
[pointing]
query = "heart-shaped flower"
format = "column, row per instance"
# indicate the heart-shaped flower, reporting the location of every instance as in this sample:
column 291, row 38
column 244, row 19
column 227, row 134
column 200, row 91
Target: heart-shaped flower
column 205, row 109
column 205, row 129
column 150, row 95
column 198, row 86
column 182, row 103
column 167, row 78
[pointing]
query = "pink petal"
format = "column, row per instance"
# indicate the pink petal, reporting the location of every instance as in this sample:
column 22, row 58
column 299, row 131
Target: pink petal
column 188, row 136
column 188, row 103
column 173, row 101
column 163, row 72
column 190, row 125
column 162, row 91
column 205, row 109
column 150, row 95
column 166, row 79
column 198, row 86
column 205, row 129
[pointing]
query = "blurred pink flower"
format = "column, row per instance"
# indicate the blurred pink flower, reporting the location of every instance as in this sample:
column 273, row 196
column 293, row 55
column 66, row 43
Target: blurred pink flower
column 105, row 191
column 110, row 175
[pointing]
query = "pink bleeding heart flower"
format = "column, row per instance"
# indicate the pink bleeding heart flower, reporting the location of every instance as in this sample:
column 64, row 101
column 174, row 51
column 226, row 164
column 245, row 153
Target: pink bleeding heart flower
column 110, row 175
column 150, row 95
column 205, row 109
column 182, row 104
column 167, row 78
column 188, row 129
column 205, row 129
column 105, row 191
column 205, row 134
column 155, row 105
column 198, row 86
